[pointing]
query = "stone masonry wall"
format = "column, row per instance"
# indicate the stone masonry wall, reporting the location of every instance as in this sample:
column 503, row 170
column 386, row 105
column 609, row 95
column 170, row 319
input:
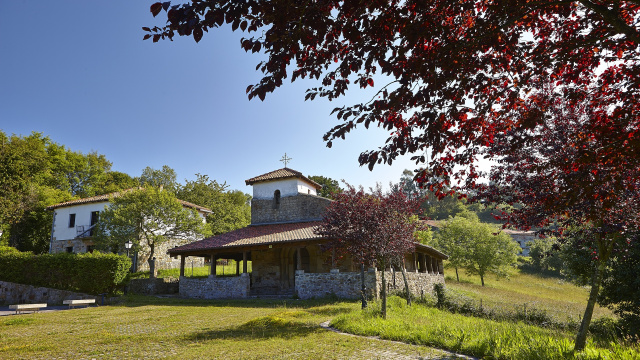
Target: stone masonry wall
column 302, row 207
column 12, row 293
column 236, row 287
column 155, row 286
column 348, row 285
column 419, row 283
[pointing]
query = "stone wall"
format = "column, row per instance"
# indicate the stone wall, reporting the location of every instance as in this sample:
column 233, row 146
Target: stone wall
column 301, row 207
column 349, row 284
column 12, row 293
column 419, row 283
column 236, row 287
column 346, row 285
column 163, row 260
column 77, row 245
column 168, row 285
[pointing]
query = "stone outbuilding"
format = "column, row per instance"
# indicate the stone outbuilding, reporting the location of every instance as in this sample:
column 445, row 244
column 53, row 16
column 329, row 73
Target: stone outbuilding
column 287, row 257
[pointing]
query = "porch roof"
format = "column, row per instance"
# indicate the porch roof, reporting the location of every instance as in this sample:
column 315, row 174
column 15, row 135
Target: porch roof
column 259, row 235
column 252, row 236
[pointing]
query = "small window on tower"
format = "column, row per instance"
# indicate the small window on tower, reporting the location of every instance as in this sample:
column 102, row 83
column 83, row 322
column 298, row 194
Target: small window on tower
column 72, row 220
column 70, row 249
column 276, row 199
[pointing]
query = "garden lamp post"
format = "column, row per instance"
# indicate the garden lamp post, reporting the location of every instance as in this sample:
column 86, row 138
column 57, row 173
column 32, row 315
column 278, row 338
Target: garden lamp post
column 128, row 246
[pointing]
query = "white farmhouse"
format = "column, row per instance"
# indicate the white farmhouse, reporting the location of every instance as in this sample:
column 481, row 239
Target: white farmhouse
column 74, row 224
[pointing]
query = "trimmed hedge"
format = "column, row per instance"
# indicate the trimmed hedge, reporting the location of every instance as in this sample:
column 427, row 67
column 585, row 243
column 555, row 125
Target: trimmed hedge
column 91, row 273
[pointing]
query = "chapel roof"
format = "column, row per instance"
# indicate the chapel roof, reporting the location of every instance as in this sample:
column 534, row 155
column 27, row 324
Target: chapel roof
column 106, row 197
column 254, row 235
column 284, row 173
column 270, row 234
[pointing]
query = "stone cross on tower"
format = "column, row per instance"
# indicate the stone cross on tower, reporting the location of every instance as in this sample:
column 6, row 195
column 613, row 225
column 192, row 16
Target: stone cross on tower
column 285, row 159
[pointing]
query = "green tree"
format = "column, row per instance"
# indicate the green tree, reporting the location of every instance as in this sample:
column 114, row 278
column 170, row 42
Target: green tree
column 329, row 186
column 35, row 173
column 477, row 247
column 148, row 217
column 231, row 209
column 431, row 205
column 165, row 178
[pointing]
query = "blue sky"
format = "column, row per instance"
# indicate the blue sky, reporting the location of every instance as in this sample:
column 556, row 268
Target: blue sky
column 79, row 72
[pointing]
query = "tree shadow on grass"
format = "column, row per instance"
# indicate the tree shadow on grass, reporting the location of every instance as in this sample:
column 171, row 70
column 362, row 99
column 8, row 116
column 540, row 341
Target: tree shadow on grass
column 259, row 328
column 143, row 300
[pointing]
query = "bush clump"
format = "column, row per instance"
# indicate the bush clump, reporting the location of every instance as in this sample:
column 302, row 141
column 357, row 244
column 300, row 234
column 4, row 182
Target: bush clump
column 91, row 273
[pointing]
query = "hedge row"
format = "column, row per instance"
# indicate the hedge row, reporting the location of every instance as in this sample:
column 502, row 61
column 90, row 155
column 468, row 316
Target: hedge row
column 91, row 273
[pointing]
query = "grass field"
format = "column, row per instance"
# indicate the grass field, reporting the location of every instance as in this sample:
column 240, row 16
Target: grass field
column 153, row 328
column 168, row 328
column 551, row 294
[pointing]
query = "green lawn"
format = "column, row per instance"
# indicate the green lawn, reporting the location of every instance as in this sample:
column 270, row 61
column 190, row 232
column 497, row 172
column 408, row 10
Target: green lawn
column 149, row 327
column 153, row 328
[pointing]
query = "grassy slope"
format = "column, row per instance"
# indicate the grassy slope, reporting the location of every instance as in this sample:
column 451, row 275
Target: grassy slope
column 552, row 294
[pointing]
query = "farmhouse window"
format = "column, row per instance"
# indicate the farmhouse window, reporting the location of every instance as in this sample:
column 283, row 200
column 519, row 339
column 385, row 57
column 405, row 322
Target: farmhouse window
column 72, row 220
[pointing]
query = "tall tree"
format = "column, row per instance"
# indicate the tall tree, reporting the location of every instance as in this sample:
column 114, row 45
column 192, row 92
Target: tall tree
column 148, row 217
column 575, row 168
column 329, row 186
column 231, row 209
column 477, row 247
column 374, row 228
column 165, row 177
column 459, row 78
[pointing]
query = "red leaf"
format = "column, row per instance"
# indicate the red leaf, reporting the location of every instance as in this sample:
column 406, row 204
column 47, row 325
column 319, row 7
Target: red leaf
column 155, row 8
column 197, row 34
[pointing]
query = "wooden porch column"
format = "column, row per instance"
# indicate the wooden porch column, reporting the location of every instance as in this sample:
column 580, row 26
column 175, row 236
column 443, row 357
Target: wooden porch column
column 244, row 262
column 299, row 258
column 212, row 272
column 415, row 262
column 237, row 267
column 182, row 260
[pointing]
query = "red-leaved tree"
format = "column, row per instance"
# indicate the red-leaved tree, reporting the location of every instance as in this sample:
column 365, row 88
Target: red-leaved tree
column 573, row 170
column 456, row 78
column 374, row 228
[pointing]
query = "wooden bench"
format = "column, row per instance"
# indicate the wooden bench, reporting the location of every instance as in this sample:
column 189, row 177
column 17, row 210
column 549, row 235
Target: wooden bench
column 27, row 307
column 83, row 302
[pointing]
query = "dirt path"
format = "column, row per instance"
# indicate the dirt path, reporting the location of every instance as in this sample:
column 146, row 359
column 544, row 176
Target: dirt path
column 390, row 354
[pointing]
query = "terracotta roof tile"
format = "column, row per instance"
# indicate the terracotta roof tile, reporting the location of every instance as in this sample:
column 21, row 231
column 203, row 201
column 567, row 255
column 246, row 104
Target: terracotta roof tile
column 106, row 197
column 284, row 173
column 254, row 235
column 266, row 235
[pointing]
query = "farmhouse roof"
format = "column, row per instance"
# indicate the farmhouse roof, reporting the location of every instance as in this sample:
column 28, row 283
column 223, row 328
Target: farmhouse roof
column 284, row 173
column 106, row 197
column 270, row 234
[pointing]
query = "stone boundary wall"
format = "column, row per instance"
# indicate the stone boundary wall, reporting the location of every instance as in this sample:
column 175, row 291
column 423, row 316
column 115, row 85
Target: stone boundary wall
column 155, row 286
column 419, row 283
column 235, row 287
column 348, row 284
column 12, row 293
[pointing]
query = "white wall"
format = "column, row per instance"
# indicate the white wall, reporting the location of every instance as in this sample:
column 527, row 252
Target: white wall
column 287, row 187
column 61, row 229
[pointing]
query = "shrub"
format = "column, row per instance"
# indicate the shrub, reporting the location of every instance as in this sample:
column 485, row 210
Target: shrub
column 91, row 273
